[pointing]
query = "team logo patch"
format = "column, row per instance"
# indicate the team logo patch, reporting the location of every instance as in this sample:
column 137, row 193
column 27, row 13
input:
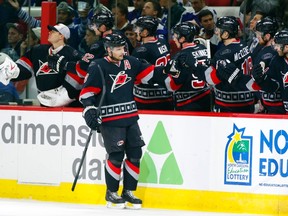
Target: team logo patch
column 119, row 80
column 285, row 79
column 120, row 143
column 44, row 69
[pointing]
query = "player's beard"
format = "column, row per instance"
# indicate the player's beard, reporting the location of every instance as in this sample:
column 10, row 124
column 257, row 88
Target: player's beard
column 116, row 59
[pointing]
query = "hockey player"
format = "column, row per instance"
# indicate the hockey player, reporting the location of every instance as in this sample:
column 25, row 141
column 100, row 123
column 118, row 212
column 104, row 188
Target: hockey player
column 191, row 93
column 120, row 130
column 274, row 77
column 227, row 97
column 57, row 88
column 230, row 97
column 156, row 52
column 102, row 23
column 265, row 31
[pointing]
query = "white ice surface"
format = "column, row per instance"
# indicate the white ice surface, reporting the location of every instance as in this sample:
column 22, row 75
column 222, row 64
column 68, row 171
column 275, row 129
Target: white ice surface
column 14, row 207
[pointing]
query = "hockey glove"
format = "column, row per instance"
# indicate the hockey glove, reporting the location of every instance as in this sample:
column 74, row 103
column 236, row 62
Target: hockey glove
column 8, row 69
column 172, row 69
column 57, row 63
column 228, row 71
column 258, row 74
column 92, row 117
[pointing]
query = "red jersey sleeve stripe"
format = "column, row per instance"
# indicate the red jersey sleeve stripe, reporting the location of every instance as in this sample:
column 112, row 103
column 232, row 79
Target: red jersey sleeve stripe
column 144, row 76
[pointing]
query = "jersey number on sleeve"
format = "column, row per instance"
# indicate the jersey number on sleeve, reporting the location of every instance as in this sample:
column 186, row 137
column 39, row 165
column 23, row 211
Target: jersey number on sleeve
column 247, row 66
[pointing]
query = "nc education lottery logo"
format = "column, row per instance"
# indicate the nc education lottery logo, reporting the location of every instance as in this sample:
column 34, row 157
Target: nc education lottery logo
column 238, row 158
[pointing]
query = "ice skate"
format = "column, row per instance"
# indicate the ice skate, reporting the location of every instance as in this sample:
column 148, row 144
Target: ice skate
column 130, row 200
column 114, row 200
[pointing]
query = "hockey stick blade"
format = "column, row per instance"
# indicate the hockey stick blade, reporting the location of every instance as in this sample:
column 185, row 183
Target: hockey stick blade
column 91, row 131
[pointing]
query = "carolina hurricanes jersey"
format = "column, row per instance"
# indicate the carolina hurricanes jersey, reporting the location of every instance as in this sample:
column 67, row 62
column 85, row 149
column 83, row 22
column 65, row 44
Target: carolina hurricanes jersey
column 34, row 63
column 191, row 93
column 277, row 79
column 119, row 107
column 153, row 96
column 229, row 98
column 272, row 101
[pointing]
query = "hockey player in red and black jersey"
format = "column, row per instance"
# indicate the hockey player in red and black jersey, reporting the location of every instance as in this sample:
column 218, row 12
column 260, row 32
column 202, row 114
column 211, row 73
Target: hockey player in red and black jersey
column 191, row 93
column 229, row 95
column 230, row 98
column 275, row 77
column 120, row 130
column 265, row 31
column 102, row 23
column 56, row 87
column 156, row 52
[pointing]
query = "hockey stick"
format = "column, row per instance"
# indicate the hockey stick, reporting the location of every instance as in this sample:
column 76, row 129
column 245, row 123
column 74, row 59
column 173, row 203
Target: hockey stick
column 91, row 131
column 208, row 49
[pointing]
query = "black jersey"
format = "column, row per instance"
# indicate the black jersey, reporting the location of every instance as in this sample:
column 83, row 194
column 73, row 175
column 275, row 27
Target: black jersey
column 153, row 96
column 230, row 98
column 277, row 80
column 191, row 93
column 34, row 63
column 119, row 107
column 272, row 101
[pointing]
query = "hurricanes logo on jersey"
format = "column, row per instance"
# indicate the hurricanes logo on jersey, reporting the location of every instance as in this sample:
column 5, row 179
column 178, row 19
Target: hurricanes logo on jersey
column 285, row 79
column 44, row 69
column 119, row 80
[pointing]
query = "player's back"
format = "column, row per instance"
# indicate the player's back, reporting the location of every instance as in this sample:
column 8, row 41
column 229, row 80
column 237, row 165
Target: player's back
column 230, row 98
column 153, row 96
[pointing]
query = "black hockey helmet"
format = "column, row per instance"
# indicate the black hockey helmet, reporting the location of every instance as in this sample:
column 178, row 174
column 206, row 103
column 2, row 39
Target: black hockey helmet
column 187, row 30
column 114, row 40
column 281, row 37
column 103, row 16
column 148, row 22
column 267, row 25
column 229, row 24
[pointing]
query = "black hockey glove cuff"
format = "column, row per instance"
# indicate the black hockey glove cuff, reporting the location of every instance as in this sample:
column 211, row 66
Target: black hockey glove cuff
column 228, row 71
column 57, row 63
column 171, row 68
column 92, row 117
column 258, row 74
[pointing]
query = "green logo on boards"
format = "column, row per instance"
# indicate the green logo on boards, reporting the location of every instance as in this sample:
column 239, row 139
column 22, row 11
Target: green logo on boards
column 158, row 164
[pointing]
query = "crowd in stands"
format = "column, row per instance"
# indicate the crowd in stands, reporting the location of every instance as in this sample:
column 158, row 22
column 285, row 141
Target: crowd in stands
column 21, row 34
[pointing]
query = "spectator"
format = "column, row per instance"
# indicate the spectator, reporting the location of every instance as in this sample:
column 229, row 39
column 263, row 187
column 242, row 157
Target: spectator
column 89, row 39
column 65, row 14
column 136, row 12
column 131, row 35
column 16, row 34
column 33, row 39
column 153, row 8
column 85, row 12
column 208, row 28
column 249, row 8
column 250, row 36
column 198, row 5
column 7, row 15
column 120, row 13
column 172, row 9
